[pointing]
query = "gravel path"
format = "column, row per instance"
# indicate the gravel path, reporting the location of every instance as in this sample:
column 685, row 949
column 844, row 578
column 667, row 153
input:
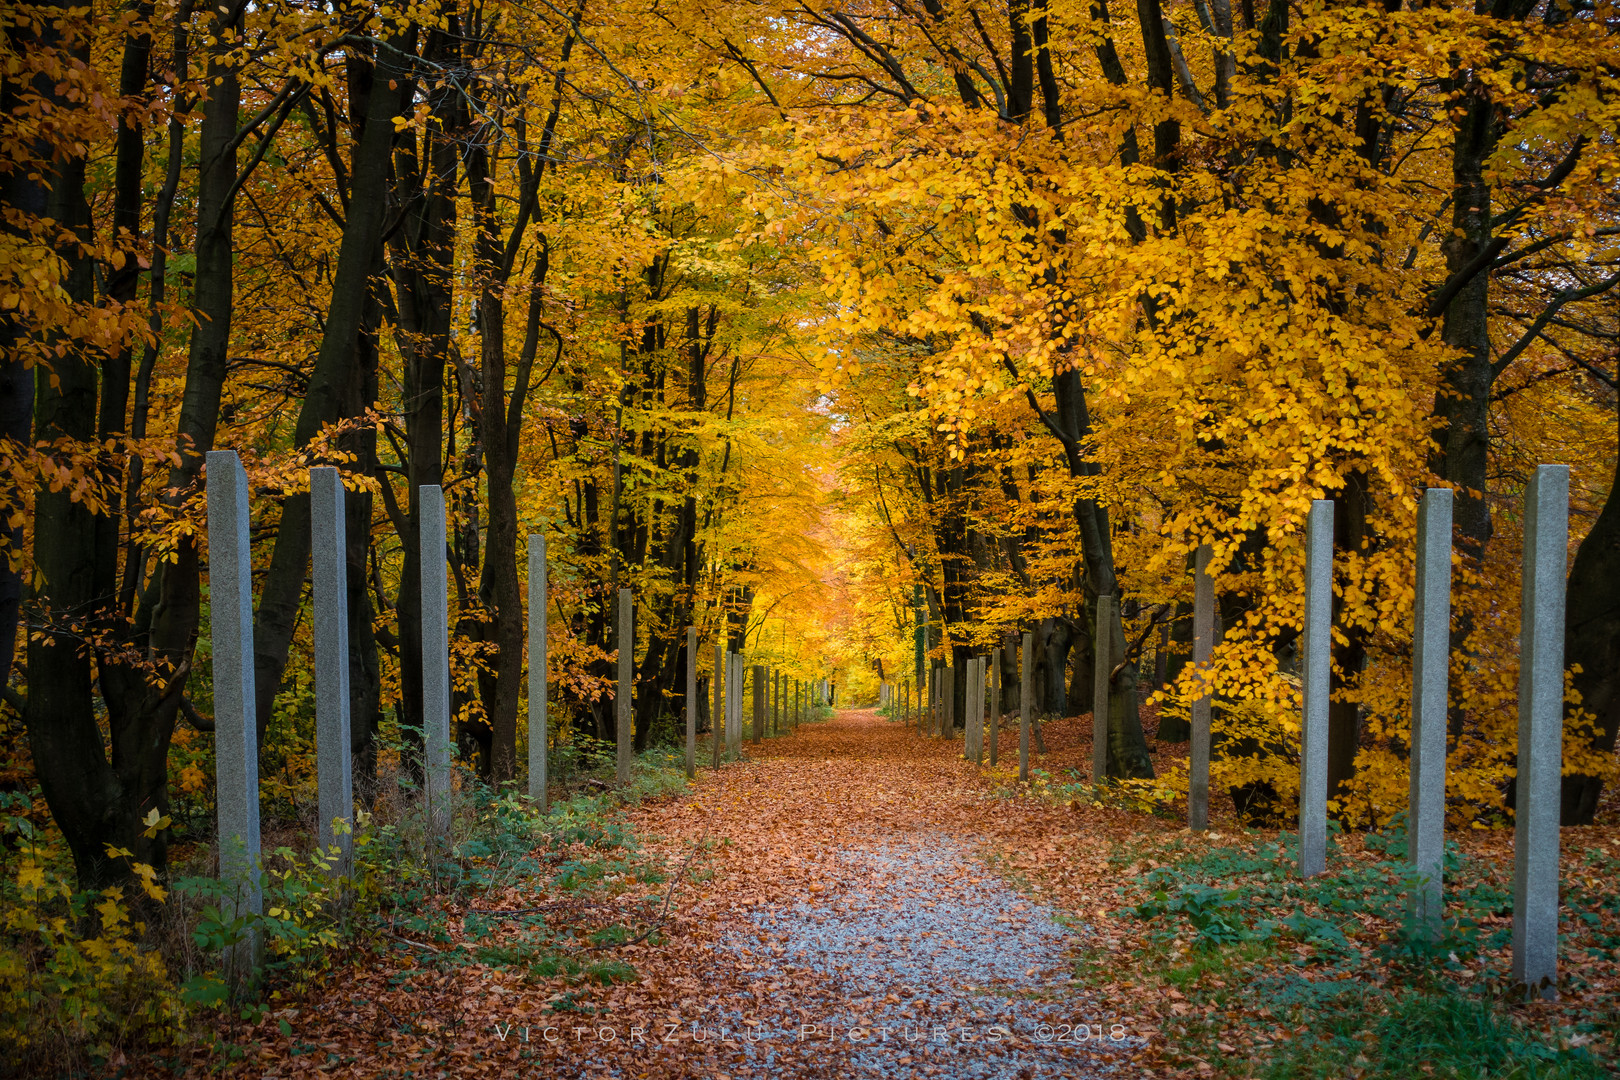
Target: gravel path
column 942, row 970
column 856, row 928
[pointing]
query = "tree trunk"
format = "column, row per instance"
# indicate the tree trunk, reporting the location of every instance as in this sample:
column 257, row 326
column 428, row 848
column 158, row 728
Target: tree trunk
column 282, row 593
column 1054, row 637
column 1463, row 401
column 63, row 736
column 421, row 264
column 1592, row 641
column 1072, row 425
column 1179, row 640
column 94, row 800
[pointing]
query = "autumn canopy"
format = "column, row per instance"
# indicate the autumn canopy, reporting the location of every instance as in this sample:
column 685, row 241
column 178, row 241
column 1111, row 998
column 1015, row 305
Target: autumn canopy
column 774, row 313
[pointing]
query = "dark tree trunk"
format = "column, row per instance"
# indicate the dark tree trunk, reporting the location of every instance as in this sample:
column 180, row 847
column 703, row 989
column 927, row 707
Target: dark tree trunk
column 421, row 264
column 96, row 800
column 1072, row 426
column 64, row 739
column 1054, row 637
column 1592, row 641
column 365, row 676
column 1179, row 641
column 23, row 194
column 1462, row 404
column 282, row 593
column 1082, row 666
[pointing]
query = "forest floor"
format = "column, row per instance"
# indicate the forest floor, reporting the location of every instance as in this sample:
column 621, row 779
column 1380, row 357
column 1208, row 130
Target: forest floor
column 855, row 899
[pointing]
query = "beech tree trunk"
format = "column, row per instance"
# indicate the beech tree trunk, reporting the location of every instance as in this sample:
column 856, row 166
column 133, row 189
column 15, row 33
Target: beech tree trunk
column 282, row 593
column 1592, row 642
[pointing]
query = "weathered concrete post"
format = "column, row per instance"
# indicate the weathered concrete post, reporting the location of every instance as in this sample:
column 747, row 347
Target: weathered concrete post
column 435, row 659
column 776, row 703
column 1025, row 705
column 734, row 716
column 1541, row 724
column 967, row 708
column 1431, row 655
column 236, row 740
column 995, row 702
column 1102, row 647
column 976, row 709
column 625, row 734
column 1315, row 668
column 691, row 702
column 761, row 693
column 731, row 697
column 539, row 726
column 330, row 568
column 948, row 729
column 734, row 707
column 1203, row 649
column 717, row 720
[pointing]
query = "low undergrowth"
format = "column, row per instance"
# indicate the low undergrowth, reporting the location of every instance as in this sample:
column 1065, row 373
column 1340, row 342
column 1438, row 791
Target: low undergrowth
column 1271, row 976
column 89, row 980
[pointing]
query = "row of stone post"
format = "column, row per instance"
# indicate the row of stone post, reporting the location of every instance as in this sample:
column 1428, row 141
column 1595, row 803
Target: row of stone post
column 235, row 739
column 778, row 700
column 236, row 749
column 1540, row 734
column 1541, row 700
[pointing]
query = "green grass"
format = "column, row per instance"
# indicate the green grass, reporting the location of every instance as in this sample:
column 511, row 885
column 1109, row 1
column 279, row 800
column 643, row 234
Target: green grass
column 1415, row 1033
column 1253, row 947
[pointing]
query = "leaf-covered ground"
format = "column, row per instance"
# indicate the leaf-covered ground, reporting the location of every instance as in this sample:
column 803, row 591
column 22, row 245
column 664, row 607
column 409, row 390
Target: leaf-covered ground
column 856, row 900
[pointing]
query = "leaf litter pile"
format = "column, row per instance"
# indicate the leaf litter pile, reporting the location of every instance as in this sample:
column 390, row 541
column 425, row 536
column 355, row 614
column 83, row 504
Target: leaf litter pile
column 857, row 900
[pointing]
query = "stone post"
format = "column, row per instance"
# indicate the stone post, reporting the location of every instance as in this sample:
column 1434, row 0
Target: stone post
column 1025, row 705
column 1203, row 649
column 967, row 708
column 435, row 658
column 717, row 721
column 539, row 726
column 948, row 727
column 691, row 702
column 330, row 570
column 760, row 695
column 995, row 702
column 625, row 734
column 919, row 642
column 1541, row 723
column 1102, row 648
column 236, row 741
column 1431, row 655
column 976, row 709
column 1315, row 668
column 734, row 714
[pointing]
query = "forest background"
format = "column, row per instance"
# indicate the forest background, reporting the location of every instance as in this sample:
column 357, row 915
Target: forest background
column 777, row 314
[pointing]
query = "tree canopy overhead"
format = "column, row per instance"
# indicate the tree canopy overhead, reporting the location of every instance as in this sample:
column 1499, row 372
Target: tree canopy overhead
column 775, row 313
